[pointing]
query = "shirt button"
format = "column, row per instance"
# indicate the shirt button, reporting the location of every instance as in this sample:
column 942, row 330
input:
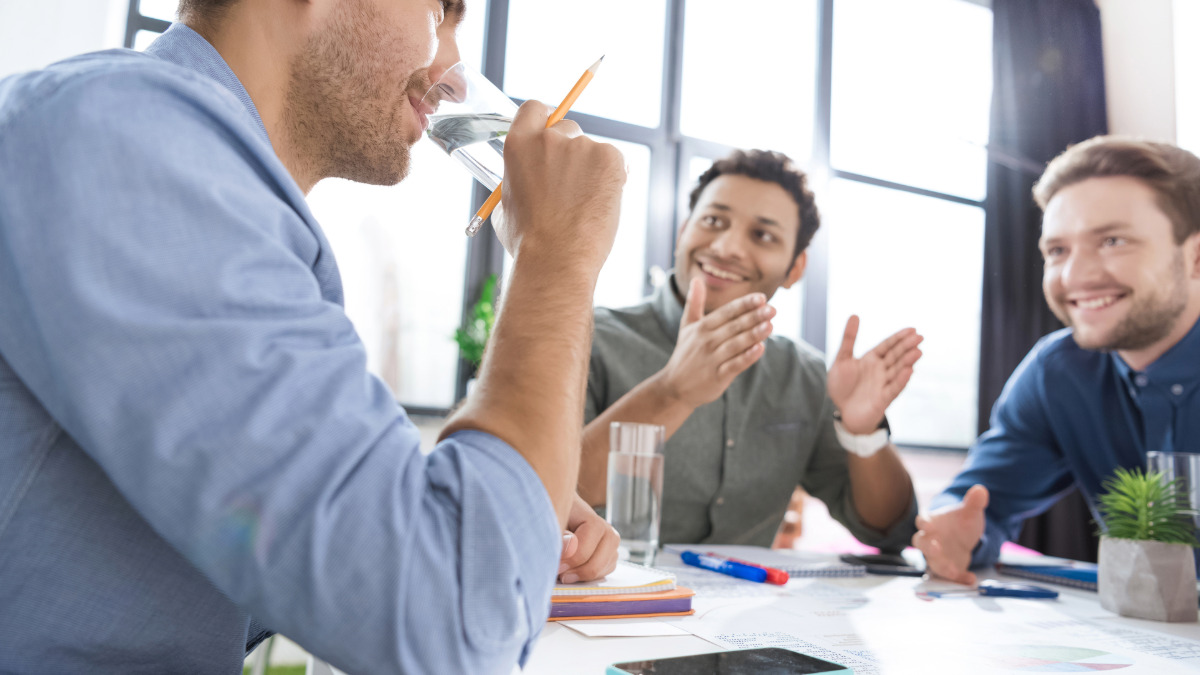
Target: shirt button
column 720, row 501
column 1142, row 380
column 729, row 442
column 1177, row 389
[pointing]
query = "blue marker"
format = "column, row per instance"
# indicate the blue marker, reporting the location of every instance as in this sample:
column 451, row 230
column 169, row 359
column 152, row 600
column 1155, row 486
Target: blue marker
column 724, row 566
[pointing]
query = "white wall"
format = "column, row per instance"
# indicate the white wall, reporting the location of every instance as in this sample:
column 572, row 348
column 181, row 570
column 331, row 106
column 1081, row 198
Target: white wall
column 36, row 33
column 1139, row 67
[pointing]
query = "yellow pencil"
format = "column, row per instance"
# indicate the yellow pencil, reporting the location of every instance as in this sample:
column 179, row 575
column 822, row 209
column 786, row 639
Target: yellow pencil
column 494, row 199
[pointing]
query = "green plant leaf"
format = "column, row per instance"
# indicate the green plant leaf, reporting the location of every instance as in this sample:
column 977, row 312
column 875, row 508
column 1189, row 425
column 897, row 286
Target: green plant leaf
column 1146, row 507
column 472, row 338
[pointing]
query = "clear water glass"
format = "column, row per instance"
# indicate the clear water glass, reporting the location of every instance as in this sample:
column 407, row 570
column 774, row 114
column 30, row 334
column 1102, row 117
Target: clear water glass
column 635, row 481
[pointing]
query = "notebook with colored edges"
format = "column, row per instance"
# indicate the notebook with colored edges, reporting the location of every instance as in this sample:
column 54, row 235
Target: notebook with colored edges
column 627, row 578
column 675, row 602
column 797, row 564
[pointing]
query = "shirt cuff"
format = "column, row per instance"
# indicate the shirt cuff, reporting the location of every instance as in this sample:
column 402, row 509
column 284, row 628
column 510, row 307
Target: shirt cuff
column 896, row 538
column 518, row 501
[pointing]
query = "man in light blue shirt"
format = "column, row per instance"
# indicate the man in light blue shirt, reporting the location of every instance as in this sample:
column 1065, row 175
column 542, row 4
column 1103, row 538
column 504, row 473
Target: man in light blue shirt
column 188, row 433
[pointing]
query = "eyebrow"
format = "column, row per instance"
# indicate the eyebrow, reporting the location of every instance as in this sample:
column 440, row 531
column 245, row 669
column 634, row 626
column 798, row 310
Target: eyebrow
column 762, row 220
column 1107, row 228
column 457, row 8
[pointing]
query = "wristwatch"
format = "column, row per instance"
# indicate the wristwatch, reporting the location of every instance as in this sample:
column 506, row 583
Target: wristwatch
column 863, row 445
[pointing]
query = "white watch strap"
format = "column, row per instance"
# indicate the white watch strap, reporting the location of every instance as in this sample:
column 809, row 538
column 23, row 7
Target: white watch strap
column 864, row 445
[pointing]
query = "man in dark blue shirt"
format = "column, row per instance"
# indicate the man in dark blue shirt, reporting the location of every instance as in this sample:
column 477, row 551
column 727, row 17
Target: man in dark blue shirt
column 1121, row 243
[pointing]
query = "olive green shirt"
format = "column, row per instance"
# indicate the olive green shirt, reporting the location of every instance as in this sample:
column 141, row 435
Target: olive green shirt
column 730, row 469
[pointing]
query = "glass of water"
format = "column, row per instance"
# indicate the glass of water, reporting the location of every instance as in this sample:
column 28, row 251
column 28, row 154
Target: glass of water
column 635, row 476
column 469, row 119
column 1183, row 467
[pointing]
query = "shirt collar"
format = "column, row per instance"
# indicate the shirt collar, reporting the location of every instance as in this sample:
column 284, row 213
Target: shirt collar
column 186, row 48
column 1179, row 364
column 668, row 308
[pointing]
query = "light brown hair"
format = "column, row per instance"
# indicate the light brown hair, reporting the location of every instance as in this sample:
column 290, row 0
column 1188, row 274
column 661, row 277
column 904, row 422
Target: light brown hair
column 1173, row 174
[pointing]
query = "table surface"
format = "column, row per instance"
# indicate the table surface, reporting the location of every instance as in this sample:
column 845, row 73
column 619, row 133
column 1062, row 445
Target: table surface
column 878, row 625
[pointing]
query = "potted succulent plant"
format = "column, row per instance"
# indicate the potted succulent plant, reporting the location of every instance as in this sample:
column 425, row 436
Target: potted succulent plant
column 472, row 338
column 1147, row 570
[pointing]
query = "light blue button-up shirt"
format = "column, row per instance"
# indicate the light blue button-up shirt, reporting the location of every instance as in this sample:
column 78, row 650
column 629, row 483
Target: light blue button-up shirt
column 188, row 433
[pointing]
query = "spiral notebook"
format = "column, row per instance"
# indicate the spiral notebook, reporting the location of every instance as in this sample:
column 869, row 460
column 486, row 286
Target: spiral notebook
column 628, row 578
column 795, row 563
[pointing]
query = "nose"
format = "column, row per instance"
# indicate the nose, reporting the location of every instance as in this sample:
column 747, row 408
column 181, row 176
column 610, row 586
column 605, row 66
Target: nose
column 728, row 245
column 444, row 63
column 1081, row 268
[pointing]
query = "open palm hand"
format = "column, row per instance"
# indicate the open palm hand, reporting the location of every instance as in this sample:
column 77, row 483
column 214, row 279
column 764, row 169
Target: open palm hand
column 862, row 388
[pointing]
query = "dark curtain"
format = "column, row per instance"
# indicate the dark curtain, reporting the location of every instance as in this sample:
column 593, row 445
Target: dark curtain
column 1048, row 75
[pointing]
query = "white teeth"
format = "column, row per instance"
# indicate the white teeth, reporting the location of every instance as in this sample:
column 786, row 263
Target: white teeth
column 1097, row 303
column 720, row 274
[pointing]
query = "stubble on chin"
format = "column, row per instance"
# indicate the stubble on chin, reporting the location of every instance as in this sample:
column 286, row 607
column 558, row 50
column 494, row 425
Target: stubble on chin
column 337, row 116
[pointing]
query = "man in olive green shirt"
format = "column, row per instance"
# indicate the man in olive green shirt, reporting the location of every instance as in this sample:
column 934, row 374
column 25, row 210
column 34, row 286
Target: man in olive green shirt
column 748, row 416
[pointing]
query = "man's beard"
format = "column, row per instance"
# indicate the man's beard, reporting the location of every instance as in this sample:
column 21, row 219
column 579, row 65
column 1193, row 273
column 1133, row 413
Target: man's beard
column 337, row 114
column 1148, row 322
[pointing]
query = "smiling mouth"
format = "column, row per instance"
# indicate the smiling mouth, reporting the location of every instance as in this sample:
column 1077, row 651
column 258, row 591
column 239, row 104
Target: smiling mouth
column 1096, row 303
column 720, row 273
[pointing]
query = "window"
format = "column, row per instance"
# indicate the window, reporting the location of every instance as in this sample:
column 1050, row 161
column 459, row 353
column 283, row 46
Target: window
column 551, row 42
column 925, row 262
column 1187, row 75
column 885, row 103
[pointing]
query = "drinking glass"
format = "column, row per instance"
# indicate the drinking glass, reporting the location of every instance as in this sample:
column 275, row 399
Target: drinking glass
column 1183, row 467
column 469, row 119
column 634, row 500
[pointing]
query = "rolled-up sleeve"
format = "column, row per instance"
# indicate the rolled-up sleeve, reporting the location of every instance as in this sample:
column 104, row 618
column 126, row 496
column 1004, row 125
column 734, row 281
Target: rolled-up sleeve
column 174, row 308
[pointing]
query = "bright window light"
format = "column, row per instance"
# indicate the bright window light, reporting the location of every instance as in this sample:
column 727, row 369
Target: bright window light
column 749, row 76
column 551, row 43
column 897, row 260
column 912, row 88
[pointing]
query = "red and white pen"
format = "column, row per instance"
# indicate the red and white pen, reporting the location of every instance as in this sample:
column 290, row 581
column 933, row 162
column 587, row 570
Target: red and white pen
column 774, row 575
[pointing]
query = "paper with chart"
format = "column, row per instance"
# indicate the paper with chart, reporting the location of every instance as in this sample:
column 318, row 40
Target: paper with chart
column 1001, row 636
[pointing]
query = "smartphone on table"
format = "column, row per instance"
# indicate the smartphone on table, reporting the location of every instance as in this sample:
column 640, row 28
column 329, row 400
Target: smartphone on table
column 764, row 661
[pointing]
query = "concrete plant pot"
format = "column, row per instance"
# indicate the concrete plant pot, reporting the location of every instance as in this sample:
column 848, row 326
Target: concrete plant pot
column 1148, row 579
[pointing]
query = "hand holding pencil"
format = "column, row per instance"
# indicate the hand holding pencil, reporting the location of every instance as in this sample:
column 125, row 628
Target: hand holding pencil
column 559, row 113
column 562, row 192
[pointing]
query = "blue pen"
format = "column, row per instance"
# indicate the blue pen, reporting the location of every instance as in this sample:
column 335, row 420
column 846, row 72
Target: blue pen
column 724, row 566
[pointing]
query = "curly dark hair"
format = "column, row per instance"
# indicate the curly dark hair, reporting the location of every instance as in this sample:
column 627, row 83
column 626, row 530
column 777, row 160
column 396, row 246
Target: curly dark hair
column 773, row 167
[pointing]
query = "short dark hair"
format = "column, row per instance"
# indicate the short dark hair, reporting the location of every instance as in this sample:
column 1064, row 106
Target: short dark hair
column 773, row 167
column 203, row 10
column 1172, row 172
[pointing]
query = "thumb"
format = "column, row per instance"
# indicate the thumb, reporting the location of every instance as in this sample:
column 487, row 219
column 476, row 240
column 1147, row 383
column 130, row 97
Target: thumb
column 976, row 498
column 570, row 545
column 693, row 309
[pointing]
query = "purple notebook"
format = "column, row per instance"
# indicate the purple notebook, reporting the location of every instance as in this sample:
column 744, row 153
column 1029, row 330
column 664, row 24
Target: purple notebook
column 620, row 607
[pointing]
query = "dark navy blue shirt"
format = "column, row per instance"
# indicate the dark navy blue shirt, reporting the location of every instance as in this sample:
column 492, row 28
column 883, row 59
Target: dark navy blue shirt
column 1068, row 417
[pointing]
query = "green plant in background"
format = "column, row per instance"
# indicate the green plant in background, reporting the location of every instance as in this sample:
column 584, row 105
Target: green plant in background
column 473, row 337
column 1142, row 506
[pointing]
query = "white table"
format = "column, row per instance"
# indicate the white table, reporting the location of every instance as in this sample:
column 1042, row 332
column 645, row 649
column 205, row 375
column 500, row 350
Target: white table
column 883, row 616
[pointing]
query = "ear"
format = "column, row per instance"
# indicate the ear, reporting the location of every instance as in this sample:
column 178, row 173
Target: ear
column 797, row 270
column 1191, row 255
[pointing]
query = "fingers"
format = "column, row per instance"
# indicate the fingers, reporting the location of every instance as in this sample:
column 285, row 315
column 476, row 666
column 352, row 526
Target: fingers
column 531, row 118
column 570, row 546
column 568, row 128
column 846, row 351
column 693, row 309
column 596, row 555
column 937, row 562
column 737, row 364
column 726, row 315
column 976, row 498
